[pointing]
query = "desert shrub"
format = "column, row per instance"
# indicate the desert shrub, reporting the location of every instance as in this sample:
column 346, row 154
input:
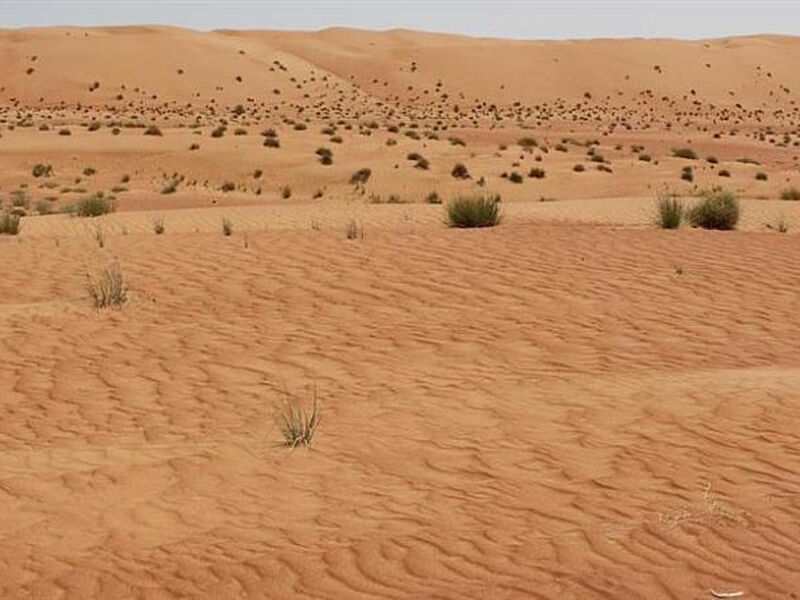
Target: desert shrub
column 712, row 160
column 536, row 173
column 94, row 206
column 579, row 168
column 153, row 130
column 474, row 211
column 286, row 192
column 43, row 206
column 527, row 142
column 240, row 131
column 790, row 193
column 158, row 226
column 724, row 173
column 228, row 186
column 89, row 171
column 433, row 198
column 515, row 177
column 219, row 131
column 270, row 133
column 645, row 158
column 718, row 209
column 687, row 174
column 352, row 230
column 227, row 227
column 670, row 210
column 325, row 156
column 10, row 224
column 40, row 170
column 687, row 153
column 460, row 172
column 361, row 176
column 298, row 424
column 761, row 176
column 64, row 131
column 271, row 142
column 107, row 288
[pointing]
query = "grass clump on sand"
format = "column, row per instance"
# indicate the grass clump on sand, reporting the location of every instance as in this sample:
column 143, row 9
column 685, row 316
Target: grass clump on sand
column 687, row 153
column 474, row 211
column 9, row 224
column 94, row 206
column 297, row 423
column 718, row 209
column 790, row 193
column 107, row 288
column 227, row 227
column 361, row 176
column 670, row 210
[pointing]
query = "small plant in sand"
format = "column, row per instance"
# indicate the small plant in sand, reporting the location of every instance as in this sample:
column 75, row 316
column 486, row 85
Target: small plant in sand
column 670, row 210
column 779, row 224
column 158, row 226
column 325, row 156
column 790, row 193
column 298, row 422
column 41, row 170
column 100, row 237
column 10, row 224
column 460, row 171
column 107, row 287
column 433, row 198
column 536, row 173
column 227, row 227
column 44, row 206
column 94, row 206
column 360, row 177
column 718, row 209
column 353, row 231
column 474, row 211
column 153, row 130
column 687, row 153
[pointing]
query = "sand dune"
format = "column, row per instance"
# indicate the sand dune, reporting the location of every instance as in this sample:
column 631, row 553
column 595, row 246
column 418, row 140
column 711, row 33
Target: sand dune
column 573, row 405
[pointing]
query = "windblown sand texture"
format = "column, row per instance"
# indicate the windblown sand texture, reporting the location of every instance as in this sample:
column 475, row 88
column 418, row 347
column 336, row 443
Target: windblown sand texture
column 573, row 404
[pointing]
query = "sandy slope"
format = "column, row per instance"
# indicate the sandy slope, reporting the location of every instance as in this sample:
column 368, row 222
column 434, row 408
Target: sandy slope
column 572, row 405
column 540, row 417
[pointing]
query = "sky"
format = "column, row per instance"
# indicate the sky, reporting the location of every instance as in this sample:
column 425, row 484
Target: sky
column 525, row 19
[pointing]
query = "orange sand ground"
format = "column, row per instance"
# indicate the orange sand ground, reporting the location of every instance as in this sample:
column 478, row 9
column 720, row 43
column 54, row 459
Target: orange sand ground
column 571, row 405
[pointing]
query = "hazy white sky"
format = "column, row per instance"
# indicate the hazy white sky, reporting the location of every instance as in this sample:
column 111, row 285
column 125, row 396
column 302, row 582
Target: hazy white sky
column 502, row 18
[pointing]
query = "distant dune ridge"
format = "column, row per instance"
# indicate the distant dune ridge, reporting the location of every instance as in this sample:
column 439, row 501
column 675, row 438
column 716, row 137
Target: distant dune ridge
column 749, row 70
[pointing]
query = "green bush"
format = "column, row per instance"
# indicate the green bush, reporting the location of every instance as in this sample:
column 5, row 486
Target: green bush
column 107, row 288
column 670, row 211
column 718, row 209
column 9, row 224
column 94, row 206
column 684, row 153
column 791, row 193
column 474, row 211
column 361, row 176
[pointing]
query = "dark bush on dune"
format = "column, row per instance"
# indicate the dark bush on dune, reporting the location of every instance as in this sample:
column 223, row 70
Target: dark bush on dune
column 718, row 209
column 474, row 211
